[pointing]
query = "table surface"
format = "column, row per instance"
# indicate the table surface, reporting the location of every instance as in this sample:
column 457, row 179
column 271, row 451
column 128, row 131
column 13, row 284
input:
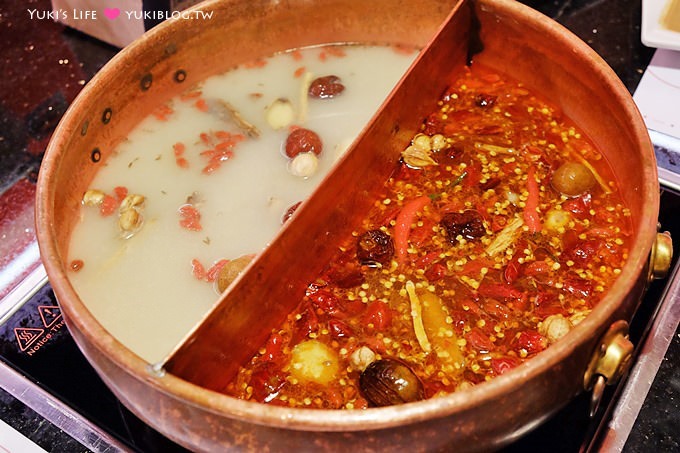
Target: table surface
column 44, row 66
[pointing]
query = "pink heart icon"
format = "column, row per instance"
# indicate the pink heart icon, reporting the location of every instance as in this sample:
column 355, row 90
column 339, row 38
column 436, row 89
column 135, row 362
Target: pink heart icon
column 111, row 13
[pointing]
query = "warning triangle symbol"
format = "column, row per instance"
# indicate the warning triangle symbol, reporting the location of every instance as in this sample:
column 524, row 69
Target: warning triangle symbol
column 26, row 336
column 49, row 314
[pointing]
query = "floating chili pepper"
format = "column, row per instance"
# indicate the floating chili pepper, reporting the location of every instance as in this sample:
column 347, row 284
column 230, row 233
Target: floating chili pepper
column 402, row 229
column 531, row 215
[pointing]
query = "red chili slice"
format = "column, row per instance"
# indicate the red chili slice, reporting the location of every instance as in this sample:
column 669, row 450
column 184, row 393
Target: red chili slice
column 479, row 341
column 273, row 348
column 339, row 329
column 378, row 314
column 502, row 365
column 266, row 383
column 402, row 229
column 436, row 272
column 499, row 291
column 325, row 301
column 532, row 341
column 306, row 324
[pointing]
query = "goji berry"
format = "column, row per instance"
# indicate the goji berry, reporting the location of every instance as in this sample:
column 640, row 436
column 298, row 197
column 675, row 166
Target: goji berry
column 121, row 193
column 108, row 206
column 178, row 148
column 299, row 72
column 197, row 269
column 202, row 105
column 214, row 270
column 190, row 218
column 182, row 162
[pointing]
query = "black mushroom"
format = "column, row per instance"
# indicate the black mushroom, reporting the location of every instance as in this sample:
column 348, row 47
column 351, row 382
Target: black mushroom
column 468, row 224
column 387, row 382
column 375, row 247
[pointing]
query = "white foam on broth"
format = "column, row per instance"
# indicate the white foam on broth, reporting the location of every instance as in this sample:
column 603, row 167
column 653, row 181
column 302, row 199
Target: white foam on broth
column 142, row 289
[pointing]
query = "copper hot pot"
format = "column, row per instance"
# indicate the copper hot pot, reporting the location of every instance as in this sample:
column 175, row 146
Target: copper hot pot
column 517, row 41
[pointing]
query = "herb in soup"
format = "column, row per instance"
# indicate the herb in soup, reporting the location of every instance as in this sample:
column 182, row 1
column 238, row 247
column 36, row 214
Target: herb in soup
column 499, row 231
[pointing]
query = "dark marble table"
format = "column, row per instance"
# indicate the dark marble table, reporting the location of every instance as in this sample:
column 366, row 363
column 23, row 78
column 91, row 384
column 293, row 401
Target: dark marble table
column 43, row 66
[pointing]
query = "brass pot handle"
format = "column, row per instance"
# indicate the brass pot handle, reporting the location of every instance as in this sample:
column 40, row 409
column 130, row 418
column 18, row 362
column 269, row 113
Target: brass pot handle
column 660, row 256
column 609, row 362
column 612, row 357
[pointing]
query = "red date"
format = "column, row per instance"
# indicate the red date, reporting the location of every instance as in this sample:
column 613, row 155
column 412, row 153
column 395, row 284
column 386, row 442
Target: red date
column 326, row 87
column 373, row 247
column 468, row 224
column 303, row 140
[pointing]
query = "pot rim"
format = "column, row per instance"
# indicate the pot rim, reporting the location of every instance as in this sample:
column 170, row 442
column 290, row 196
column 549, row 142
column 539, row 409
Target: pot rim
column 79, row 316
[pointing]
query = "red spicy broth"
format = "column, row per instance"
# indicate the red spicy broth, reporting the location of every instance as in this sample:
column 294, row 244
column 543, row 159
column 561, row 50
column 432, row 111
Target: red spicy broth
column 500, row 229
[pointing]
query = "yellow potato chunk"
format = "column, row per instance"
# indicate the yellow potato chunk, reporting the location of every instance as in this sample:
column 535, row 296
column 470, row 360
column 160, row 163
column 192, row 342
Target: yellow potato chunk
column 440, row 331
column 313, row 361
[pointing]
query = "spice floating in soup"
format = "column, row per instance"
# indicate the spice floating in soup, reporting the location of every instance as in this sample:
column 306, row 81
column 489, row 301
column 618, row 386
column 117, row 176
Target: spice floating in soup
column 500, row 229
column 206, row 180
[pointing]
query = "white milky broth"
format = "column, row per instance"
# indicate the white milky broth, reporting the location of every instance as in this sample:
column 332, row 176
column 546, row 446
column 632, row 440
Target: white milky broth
column 142, row 289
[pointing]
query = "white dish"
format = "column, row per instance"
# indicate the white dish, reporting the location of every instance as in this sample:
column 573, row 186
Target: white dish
column 653, row 33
